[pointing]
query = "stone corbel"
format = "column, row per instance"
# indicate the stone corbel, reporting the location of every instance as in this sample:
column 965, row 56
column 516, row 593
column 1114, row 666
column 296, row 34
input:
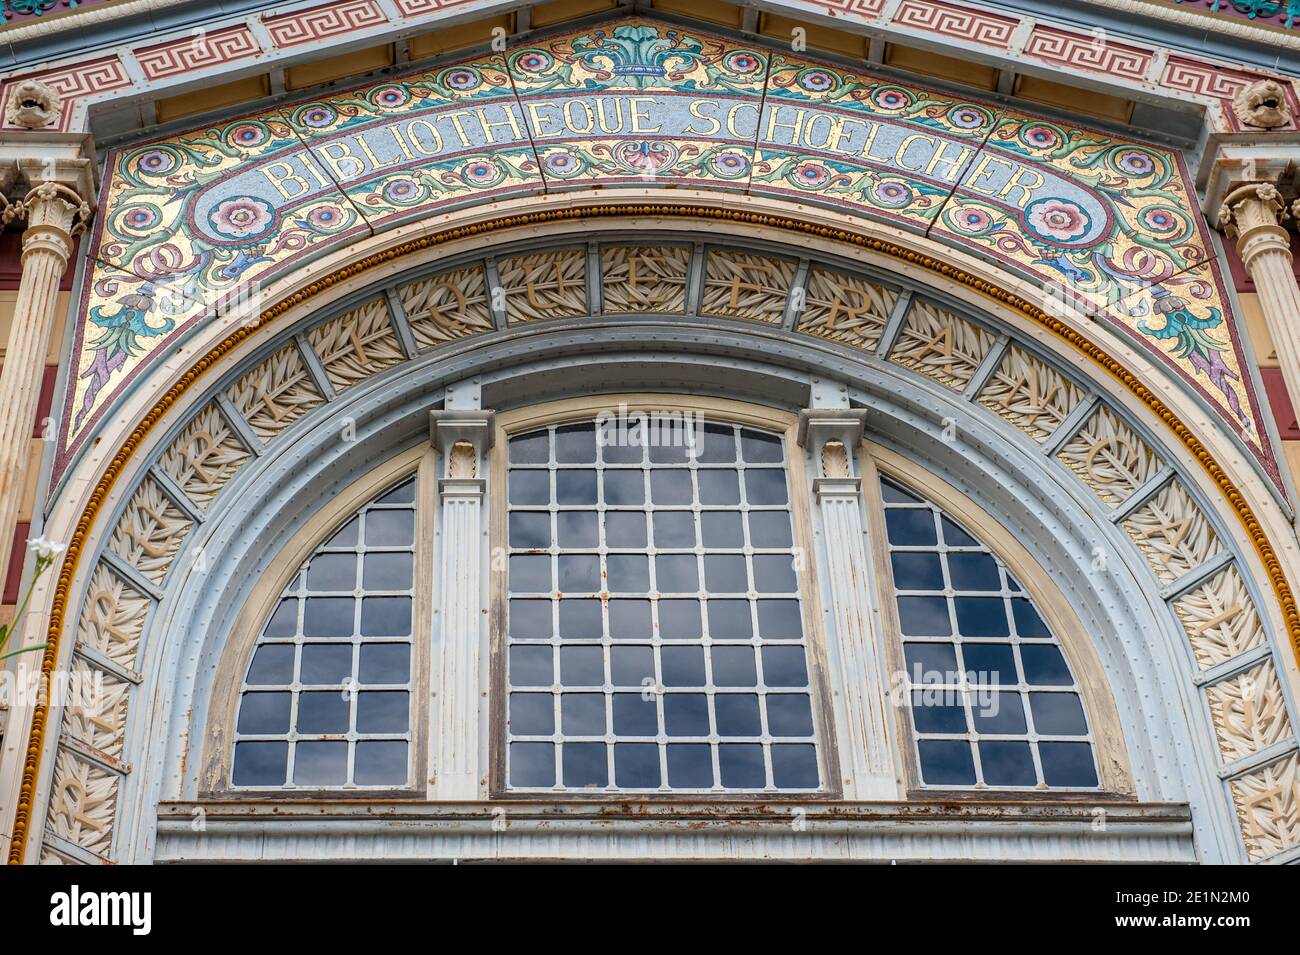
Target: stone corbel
column 832, row 435
column 462, row 438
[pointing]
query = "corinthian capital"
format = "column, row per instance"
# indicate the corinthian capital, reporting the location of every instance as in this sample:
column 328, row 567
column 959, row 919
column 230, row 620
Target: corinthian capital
column 55, row 207
column 1252, row 206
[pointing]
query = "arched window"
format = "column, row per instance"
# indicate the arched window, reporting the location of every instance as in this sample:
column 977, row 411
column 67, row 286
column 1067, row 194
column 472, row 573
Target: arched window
column 326, row 699
column 993, row 701
column 655, row 633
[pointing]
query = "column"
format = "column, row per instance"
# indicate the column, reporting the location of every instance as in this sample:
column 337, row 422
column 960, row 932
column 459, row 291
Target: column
column 55, row 214
column 1252, row 214
column 462, row 438
column 833, row 436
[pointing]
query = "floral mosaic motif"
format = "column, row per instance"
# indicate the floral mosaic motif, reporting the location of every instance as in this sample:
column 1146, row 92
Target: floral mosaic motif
column 845, row 308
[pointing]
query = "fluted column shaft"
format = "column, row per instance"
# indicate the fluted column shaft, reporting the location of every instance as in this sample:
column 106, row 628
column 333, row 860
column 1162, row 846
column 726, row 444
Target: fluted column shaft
column 53, row 211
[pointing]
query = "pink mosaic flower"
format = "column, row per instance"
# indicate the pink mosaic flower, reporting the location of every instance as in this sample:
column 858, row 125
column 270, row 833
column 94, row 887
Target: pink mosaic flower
column 1057, row 219
column 241, row 217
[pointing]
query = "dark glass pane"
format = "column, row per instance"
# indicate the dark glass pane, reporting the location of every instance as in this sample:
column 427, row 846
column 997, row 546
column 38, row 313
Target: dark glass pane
column 737, row 715
column 582, row 714
column 686, row 714
column 1028, row 622
column 674, row 529
column 718, row 445
column 284, row 622
column 326, row 665
column 774, row 574
column 532, row 714
column 989, row 664
column 386, row 571
column 575, row 487
column 770, row 529
column 1067, row 764
column 741, row 766
column 981, row 616
column 262, row 714
column 972, row 571
column 320, row 763
column 910, row 527
column 385, row 663
column 1007, row 763
column 690, row 766
column 580, row 619
column 759, row 448
column 577, row 529
column 794, row 766
column 931, row 663
column 730, row 620
column 582, row 666
column 954, row 536
column 682, row 666
column 380, row 763
column 719, row 486
column 1045, row 666
column 530, row 619
column 635, row 716
column 332, row 572
column 530, row 530
column 630, row 620
column 531, row 448
column 631, row 666
column 998, row 714
column 532, row 764
column 677, row 574
column 531, row 666
column 789, row 714
column 924, row 616
column 765, row 486
column 578, row 573
column 530, row 573
column 734, row 666
column 946, row 762
column 272, row 666
column 585, row 765
column 680, row 620
column 1058, row 714
column 346, row 536
column 323, row 711
column 628, row 573
column 390, row 528
column 784, row 666
column 670, row 443
column 779, row 620
column 530, row 487
column 383, row 712
column 385, row 616
column 725, row 574
column 623, row 488
column 917, row 571
column 625, row 529
column 328, row 617
column 636, row 765
column 260, row 764
column 893, row 493
column 671, row 487
column 404, row 493
column 575, row 444
column 938, row 711
column 721, row 529
column 621, row 444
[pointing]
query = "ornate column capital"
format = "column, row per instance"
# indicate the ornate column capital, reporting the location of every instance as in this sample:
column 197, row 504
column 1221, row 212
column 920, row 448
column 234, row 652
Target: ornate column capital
column 1253, row 214
column 55, row 206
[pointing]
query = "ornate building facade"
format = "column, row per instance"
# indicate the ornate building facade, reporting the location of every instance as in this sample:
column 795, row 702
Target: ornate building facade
column 797, row 430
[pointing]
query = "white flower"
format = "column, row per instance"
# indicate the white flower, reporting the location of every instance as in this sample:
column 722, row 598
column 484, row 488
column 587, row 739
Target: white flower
column 44, row 547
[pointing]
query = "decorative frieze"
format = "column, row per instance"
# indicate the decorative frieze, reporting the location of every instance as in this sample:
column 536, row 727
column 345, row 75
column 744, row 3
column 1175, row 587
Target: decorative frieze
column 644, row 278
column 1109, row 457
column 447, row 306
column 150, row 531
column 96, row 706
column 357, row 344
column 1030, row 393
column 1249, row 712
column 1220, row 618
column 1268, row 807
column 545, row 285
column 275, row 393
column 83, row 802
column 743, row 285
column 112, row 617
column 1172, row 533
column 204, row 456
column 938, row 344
column 847, row 309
